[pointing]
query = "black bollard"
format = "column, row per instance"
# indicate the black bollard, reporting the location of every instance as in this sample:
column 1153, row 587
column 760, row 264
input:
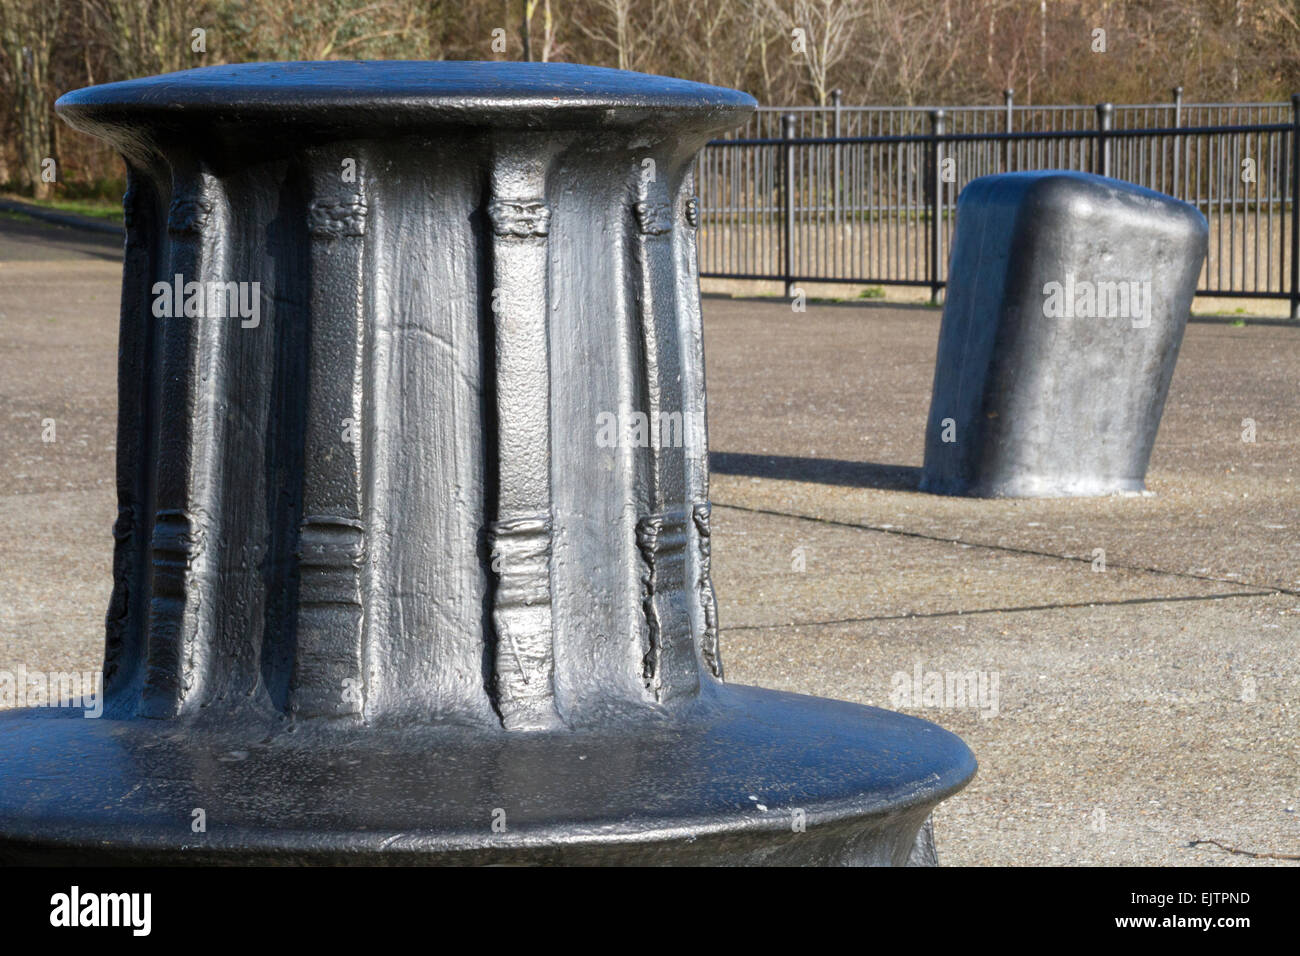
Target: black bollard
column 1067, row 302
column 412, row 557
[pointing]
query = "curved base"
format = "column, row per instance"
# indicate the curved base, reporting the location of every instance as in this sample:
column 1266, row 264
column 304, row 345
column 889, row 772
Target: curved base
column 745, row 776
column 1034, row 486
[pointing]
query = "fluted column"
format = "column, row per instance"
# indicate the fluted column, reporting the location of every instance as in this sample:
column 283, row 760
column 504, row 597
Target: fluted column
column 664, row 532
column 186, row 528
column 520, row 534
column 387, row 581
column 328, row 676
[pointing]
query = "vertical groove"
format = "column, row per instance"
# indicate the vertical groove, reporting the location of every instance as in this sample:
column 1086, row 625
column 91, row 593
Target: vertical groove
column 710, row 653
column 490, row 452
column 695, row 431
column 661, row 540
column 283, row 440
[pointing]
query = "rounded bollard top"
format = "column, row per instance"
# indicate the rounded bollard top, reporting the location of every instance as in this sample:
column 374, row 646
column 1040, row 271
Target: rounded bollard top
column 1074, row 196
column 406, row 93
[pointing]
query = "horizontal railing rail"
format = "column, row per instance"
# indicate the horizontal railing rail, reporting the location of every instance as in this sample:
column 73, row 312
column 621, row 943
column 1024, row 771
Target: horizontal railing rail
column 837, row 119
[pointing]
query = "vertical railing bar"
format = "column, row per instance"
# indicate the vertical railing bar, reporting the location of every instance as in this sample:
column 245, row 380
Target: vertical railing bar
column 1272, row 178
column 1254, row 154
column 936, row 203
column 1105, row 111
column 1233, row 177
column 1295, row 206
column 1008, row 99
column 1216, row 146
column 787, row 132
column 837, row 95
column 1178, row 121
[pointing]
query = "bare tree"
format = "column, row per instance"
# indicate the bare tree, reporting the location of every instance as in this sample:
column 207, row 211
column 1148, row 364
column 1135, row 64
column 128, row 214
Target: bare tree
column 548, row 32
column 27, row 34
column 526, row 29
column 878, row 51
column 828, row 28
column 613, row 30
column 908, row 55
column 144, row 37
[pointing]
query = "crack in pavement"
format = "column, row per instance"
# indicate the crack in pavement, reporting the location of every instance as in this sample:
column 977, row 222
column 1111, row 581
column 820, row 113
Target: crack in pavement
column 1065, row 605
column 1254, row 854
column 1011, row 549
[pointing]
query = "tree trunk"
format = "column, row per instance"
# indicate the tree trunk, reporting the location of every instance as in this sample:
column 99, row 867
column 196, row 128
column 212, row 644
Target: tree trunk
column 27, row 31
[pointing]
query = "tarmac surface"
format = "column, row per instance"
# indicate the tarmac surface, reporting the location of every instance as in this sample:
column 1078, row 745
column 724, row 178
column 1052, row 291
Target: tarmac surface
column 1122, row 705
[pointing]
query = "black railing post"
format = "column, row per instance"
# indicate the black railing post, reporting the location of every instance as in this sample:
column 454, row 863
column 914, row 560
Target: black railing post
column 1105, row 115
column 1178, row 142
column 787, row 189
column 1008, row 98
column 936, row 204
column 836, row 97
column 1295, row 205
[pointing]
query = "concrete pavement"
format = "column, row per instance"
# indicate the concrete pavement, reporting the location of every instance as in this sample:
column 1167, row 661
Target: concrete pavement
column 1118, row 714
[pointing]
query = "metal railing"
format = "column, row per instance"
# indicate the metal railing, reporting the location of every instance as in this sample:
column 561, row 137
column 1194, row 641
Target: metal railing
column 879, row 207
column 838, row 120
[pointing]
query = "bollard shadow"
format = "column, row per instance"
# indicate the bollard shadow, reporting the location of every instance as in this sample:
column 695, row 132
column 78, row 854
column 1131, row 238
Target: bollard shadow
column 825, row 471
column 33, row 240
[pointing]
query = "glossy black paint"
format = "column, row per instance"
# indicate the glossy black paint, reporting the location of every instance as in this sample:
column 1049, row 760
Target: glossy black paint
column 382, row 593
